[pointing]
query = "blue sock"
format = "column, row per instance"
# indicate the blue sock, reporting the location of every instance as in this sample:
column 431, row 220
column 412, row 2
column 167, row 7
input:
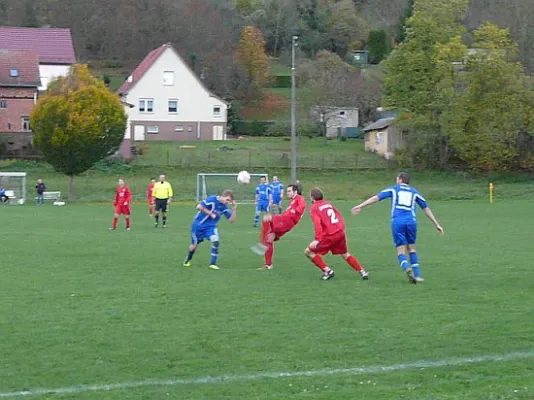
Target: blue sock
column 403, row 261
column 256, row 219
column 414, row 260
column 190, row 255
column 214, row 253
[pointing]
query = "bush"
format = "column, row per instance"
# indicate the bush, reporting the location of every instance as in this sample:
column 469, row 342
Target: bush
column 112, row 164
column 281, row 81
column 283, row 128
column 112, row 63
column 250, row 128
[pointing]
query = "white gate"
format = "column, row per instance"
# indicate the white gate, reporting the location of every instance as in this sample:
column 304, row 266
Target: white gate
column 218, row 132
column 139, row 132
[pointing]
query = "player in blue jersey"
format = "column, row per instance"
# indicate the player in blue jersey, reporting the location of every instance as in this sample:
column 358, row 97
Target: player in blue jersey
column 404, row 199
column 263, row 199
column 205, row 222
column 278, row 194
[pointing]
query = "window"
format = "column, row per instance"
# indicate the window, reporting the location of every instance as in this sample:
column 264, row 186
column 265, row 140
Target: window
column 152, row 129
column 178, row 128
column 173, row 105
column 168, row 78
column 146, row 105
column 14, row 73
column 3, row 104
column 25, row 124
column 217, row 111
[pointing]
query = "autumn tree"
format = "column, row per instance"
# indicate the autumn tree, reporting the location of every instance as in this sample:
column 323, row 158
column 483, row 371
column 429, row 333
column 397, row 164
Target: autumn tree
column 420, row 76
column 77, row 123
column 250, row 55
column 495, row 106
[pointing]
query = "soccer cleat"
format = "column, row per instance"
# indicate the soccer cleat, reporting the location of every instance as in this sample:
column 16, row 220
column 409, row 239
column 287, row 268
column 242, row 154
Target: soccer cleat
column 187, row 263
column 128, row 229
column 212, row 266
column 265, row 267
column 156, row 225
column 328, row 275
column 112, row 229
column 411, row 277
column 419, row 279
column 164, row 226
column 364, row 275
column 259, row 249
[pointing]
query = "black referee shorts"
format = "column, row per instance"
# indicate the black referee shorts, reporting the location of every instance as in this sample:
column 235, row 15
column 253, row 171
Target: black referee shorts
column 161, row 205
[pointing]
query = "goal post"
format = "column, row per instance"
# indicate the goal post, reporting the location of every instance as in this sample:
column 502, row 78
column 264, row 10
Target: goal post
column 214, row 184
column 14, row 184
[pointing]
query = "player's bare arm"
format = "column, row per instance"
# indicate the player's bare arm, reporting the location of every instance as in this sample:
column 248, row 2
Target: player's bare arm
column 234, row 212
column 430, row 215
column 356, row 210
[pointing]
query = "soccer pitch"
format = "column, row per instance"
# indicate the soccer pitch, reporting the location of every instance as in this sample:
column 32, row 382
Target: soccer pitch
column 92, row 314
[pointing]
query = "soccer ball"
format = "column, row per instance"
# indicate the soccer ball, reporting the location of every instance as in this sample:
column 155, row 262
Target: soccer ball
column 243, row 178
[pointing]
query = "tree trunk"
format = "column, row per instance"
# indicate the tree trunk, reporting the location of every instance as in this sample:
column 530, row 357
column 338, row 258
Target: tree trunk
column 71, row 186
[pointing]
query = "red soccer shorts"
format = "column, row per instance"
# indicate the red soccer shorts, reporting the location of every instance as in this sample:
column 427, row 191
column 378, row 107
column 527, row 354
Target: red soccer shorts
column 335, row 244
column 280, row 225
column 122, row 210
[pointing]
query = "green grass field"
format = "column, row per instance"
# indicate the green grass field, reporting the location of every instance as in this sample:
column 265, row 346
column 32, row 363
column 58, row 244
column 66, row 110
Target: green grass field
column 83, row 308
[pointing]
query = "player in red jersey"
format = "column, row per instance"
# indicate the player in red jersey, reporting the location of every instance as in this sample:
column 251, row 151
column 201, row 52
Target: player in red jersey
column 122, row 205
column 150, row 196
column 276, row 226
column 330, row 236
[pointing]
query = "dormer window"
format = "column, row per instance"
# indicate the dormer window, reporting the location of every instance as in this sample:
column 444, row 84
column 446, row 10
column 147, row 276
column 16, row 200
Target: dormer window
column 14, row 73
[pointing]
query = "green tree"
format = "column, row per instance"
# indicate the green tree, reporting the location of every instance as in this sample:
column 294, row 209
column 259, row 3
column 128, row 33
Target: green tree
column 377, row 45
column 399, row 31
column 77, row 123
column 346, row 27
column 420, row 76
column 495, row 107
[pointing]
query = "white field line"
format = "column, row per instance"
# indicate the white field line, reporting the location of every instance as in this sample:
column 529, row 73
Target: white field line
column 207, row 380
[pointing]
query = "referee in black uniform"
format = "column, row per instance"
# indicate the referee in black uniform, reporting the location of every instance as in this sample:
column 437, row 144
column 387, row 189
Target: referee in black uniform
column 162, row 194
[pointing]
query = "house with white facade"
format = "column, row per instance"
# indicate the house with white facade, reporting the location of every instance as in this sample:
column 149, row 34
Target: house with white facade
column 53, row 46
column 171, row 102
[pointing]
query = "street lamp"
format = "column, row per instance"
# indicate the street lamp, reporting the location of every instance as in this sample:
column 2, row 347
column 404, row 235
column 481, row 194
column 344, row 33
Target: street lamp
column 293, row 112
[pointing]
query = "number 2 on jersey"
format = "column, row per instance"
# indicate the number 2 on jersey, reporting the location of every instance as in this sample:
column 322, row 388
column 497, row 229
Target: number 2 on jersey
column 332, row 215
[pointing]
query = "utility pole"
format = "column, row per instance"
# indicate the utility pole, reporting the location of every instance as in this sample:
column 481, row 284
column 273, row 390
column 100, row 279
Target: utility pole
column 293, row 113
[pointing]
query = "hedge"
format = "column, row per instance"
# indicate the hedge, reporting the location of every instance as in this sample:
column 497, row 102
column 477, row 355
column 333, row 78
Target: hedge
column 249, row 128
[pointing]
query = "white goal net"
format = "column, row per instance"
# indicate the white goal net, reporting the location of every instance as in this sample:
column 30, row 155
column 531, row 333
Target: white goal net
column 14, row 184
column 214, row 184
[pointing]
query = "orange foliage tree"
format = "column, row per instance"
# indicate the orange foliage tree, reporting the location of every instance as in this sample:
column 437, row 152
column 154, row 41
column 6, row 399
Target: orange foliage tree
column 77, row 123
column 250, row 55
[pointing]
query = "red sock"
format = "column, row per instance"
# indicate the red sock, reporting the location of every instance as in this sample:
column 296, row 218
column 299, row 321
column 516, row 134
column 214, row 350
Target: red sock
column 265, row 230
column 319, row 262
column 115, row 222
column 353, row 262
column 150, row 210
column 269, row 253
column 127, row 222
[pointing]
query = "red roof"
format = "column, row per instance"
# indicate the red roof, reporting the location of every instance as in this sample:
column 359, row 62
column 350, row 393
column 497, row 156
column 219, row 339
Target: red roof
column 142, row 68
column 53, row 45
column 147, row 62
column 19, row 68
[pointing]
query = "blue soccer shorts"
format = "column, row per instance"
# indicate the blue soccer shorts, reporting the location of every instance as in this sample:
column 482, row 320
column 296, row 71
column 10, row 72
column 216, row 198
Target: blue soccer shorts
column 277, row 200
column 404, row 234
column 262, row 206
column 199, row 234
